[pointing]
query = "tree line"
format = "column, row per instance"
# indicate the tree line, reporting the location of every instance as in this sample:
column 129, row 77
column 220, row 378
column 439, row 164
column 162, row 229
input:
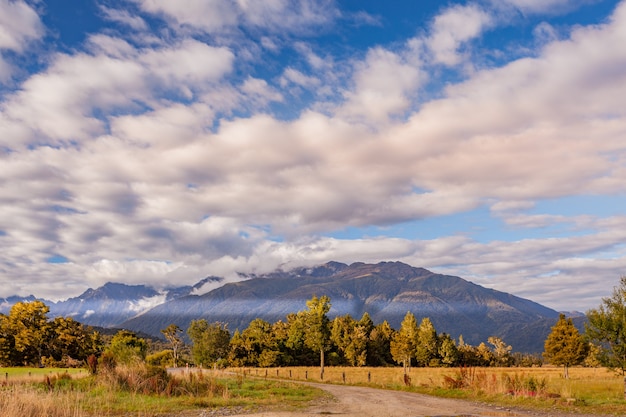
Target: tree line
column 308, row 338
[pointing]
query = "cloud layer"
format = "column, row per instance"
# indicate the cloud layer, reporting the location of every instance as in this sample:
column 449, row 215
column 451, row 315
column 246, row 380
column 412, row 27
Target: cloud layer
column 219, row 137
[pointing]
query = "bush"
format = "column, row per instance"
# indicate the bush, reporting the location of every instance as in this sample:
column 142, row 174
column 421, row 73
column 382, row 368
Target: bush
column 163, row 358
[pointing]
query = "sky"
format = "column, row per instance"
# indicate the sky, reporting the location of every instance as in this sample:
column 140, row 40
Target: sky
column 160, row 142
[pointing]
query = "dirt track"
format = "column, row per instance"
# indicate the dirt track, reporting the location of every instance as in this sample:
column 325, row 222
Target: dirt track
column 352, row 401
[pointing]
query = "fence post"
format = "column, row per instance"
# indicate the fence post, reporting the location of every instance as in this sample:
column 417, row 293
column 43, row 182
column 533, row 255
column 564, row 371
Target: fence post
column 343, row 376
column 369, row 376
column 306, row 374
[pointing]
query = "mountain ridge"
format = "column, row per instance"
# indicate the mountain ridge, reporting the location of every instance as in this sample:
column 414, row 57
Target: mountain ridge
column 386, row 290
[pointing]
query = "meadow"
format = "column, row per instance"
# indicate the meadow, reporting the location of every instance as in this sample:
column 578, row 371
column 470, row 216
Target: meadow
column 130, row 391
column 58, row 394
column 587, row 390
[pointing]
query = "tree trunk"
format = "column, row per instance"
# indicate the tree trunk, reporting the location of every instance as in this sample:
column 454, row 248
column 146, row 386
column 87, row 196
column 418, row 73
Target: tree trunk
column 566, row 372
column 322, row 364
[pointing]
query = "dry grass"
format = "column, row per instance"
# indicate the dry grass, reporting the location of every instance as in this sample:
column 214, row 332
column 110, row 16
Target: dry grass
column 588, row 390
column 145, row 392
column 28, row 401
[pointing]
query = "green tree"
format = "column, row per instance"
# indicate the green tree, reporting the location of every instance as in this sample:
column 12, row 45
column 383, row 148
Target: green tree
column 565, row 346
column 172, row 335
column 606, row 328
column 427, row 348
column 379, row 346
column 211, row 342
column 257, row 345
column 404, row 342
column 296, row 350
column 317, row 325
column 127, row 348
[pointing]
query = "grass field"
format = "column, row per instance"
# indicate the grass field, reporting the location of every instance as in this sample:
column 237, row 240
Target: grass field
column 44, row 393
column 21, row 374
column 588, row 390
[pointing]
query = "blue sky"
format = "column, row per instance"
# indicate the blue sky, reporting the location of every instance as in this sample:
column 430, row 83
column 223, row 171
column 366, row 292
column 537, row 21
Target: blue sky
column 158, row 142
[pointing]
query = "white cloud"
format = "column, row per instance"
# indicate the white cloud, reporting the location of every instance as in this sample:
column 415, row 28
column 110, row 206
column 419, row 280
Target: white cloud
column 167, row 164
column 291, row 75
column 452, row 29
column 19, row 24
column 541, row 6
column 215, row 16
column 211, row 15
column 124, row 17
column 383, row 86
column 58, row 105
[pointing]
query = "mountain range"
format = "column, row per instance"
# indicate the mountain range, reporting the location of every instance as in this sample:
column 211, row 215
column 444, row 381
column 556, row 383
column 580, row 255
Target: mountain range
column 386, row 291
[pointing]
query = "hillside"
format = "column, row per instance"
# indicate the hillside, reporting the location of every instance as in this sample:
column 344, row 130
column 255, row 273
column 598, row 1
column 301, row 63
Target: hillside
column 386, row 291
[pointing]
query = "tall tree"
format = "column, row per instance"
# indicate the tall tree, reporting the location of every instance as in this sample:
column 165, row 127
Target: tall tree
column 317, row 324
column 427, row 348
column 259, row 344
column 172, row 335
column 211, row 342
column 606, row 328
column 31, row 330
column 379, row 346
column 405, row 341
column 565, row 346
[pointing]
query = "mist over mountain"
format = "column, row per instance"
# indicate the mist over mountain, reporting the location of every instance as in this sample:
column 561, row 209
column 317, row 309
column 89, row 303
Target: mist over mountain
column 387, row 291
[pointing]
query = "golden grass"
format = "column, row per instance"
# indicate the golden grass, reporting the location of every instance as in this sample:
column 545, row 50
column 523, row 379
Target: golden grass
column 588, row 390
column 130, row 392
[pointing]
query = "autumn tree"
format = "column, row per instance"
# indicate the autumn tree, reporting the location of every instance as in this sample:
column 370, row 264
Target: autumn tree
column 72, row 341
column 448, row 352
column 501, row 351
column 30, row 327
column 341, row 332
column 317, row 327
column 172, row 335
column 565, row 345
column 427, row 348
column 404, row 342
column 8, row 354
column 210, row 342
